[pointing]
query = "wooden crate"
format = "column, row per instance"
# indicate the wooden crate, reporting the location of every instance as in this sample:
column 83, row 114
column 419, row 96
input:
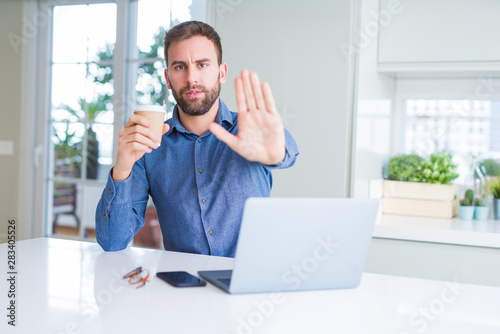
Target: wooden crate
column 420, row 199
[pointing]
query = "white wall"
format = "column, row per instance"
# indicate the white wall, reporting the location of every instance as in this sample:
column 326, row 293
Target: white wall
column 375, row 107
column 295, row 46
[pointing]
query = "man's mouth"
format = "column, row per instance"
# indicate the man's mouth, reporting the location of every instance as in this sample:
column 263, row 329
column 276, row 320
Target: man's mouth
column 193, row 93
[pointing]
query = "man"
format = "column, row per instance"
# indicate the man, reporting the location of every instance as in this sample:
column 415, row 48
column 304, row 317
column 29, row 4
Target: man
column 210, row 159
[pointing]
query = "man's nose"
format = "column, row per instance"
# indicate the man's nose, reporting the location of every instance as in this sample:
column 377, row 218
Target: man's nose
column 192, row 76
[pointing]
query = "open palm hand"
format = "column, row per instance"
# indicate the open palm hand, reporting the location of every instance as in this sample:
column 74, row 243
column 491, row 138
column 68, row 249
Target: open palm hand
column 261, row 135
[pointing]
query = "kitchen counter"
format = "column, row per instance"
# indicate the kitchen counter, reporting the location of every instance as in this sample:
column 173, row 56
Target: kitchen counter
column 448, row 231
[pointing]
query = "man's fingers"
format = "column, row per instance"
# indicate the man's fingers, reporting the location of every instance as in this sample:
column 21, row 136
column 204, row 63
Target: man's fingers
column 257, row 91
column 247, row 86
column 137, row 120
column 240, row 95
column 268, row 98
column 146, row 132
column 135, row 140
column 224, row 136
column 140, row 147
column 135, row 146
column 139, row 134
column 140, row 139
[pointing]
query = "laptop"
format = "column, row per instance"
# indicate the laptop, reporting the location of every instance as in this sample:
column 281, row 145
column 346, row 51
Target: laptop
column 295, row 244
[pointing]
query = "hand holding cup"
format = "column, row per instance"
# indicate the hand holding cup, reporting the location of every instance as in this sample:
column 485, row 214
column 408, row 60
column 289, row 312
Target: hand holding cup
column 141, row 135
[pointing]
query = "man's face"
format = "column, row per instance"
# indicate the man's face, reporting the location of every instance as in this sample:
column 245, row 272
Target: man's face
column 194, row 75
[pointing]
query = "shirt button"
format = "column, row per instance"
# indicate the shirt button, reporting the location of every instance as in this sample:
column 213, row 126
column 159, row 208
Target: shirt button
column 203, row 201
column 210, row 232
column 200, row 170
column 104, row 216
column 110, row 191
column 199, row 140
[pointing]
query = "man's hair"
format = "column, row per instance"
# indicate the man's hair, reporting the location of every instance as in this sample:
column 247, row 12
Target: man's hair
column 190, row 29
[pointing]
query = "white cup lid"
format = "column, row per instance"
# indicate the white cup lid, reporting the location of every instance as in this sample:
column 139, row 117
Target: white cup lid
column 150, row 108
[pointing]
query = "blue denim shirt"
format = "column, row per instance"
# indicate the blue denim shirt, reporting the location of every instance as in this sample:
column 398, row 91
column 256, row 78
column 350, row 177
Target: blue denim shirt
column 198, row 186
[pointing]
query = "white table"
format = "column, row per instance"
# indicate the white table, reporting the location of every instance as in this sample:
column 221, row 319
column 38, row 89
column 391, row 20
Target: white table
column 75, row 287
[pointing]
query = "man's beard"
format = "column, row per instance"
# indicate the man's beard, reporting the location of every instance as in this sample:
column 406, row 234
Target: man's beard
column 196, row 107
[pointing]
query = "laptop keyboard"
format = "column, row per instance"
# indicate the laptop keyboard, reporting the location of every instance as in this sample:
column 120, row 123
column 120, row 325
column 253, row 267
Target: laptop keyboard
column 225, row 281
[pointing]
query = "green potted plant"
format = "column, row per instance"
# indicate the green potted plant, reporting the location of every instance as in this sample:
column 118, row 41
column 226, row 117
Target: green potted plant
column 416, row 186
column 491, row 167
column 481, row 210
column 495, row 190
column 404, row 167
column 438, row 168
column 466, row 211
column 93, row 110
column 67, row 153
column 491, row 170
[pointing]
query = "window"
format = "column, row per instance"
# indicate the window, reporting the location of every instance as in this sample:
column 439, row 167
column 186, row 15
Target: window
column 458, row 126
column 450, row 115
column 92, row 69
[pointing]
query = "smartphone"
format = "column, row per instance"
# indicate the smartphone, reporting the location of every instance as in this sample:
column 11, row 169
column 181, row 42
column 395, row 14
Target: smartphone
column 180, row 279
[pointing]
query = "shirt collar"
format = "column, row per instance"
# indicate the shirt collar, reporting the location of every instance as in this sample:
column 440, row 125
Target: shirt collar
column 223, row 115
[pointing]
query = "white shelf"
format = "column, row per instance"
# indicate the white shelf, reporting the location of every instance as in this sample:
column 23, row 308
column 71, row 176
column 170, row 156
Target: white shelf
column 448, row 231
column 440, row 69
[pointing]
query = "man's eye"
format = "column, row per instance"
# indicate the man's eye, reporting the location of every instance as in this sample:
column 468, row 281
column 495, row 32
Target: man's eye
column 203, row 65
column 179, row 67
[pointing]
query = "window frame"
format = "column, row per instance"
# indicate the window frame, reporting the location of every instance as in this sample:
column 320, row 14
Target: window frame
column 123, row 104
column 124, row 99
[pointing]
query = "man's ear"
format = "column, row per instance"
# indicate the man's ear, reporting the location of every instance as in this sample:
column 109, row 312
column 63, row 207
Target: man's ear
column 167, row 79
column 223, row 73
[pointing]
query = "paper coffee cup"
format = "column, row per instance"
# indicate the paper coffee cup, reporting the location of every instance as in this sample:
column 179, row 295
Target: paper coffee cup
column 156, row 115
